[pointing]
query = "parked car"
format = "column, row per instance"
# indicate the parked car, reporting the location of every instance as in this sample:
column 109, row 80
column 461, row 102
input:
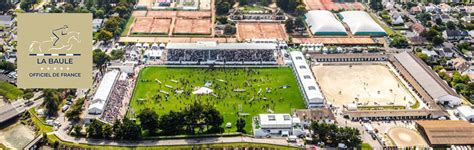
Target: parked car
column 29, row 103
column 65, row 107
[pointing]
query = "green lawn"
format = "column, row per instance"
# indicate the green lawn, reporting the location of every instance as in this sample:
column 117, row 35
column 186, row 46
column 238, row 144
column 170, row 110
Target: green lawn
column 366, row 146
column 9, row 91
column 224, row 82
column 127, row 26
column 387, row 29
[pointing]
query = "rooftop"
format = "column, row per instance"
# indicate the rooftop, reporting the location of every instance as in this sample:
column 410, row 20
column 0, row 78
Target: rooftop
column 447, row 132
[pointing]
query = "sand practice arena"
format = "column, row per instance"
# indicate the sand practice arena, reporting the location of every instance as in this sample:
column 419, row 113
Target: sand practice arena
column 247, row 31
column 192, row 26
column 363, row 84
column 151, row 25
column 178, row 22
column 403, row 137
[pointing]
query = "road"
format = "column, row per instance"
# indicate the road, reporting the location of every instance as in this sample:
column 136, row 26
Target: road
column 211, row 140
column 15, row 108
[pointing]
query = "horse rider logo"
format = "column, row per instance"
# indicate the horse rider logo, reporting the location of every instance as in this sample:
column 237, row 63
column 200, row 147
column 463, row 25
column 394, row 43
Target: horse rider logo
column 62, row 39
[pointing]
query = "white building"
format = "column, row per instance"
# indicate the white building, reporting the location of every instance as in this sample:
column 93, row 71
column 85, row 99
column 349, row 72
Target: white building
column 6, row 21
column 278, row 124
column 466, row 112
column 311, row 91
column 96, row 24
column 105, row 88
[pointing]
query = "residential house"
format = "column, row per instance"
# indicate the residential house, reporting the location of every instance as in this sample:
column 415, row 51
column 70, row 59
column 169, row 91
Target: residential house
column 417, row 28
column 443, row 17
column 455, row 35
column 432, row 55
column 468, row 19
column 415, row 10
column 446, row 52
column 396, row 18
column 6, row 20
column 97, row 24
column 458, row 64
column 445, row 8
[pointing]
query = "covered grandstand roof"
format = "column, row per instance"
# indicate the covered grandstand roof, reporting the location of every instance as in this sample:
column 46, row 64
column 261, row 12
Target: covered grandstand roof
column 360, row 23
column 221, row 46
column 447, row 132
column 313, row 95
column 425, row 79
column 323, row 22
column 102, row 93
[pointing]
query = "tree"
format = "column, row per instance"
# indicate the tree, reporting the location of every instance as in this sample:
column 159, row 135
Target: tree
column 288, row 5
column 332, row 135
column 289, row 25
column 240, row 125
column 100, row 58
column 301, row 10
column 299, row 22
column 99, row 13
column 8, row 66
column 75, row 111
column 398, row 41
column 222, row 8
column 243, row 2
column 89, row 4
column 5, row 5
column 451, row 25
column 229, row 29
column 171, row 123
column 107, row 131
column 431, row 33
column 117, row 54
column 94, row 130
column 117, row 129
column 437, row 40
column 130, row 130
column 27, row 4
column 51, row 101
column 148, row 120
column 213, row 119
column 68, row 8
column 265, row 2
column 77, row 130
column 222, row 19
column 105, row 35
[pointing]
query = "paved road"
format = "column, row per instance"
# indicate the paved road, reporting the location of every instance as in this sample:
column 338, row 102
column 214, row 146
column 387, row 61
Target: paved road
column 215, row 140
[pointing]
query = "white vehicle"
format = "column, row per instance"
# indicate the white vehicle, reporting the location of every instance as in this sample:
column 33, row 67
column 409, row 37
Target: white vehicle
column 65, row 107
column 291, row 138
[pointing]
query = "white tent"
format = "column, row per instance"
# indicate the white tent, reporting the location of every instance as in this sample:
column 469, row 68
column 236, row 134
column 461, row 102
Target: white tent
column 103, row 91
column 202, row 91
column 323, row 22
column 361, row 23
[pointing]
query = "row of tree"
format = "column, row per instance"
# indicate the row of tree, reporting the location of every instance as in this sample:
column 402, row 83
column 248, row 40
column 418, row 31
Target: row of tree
column 125, row 129
column 194, row 119
column 332, row 135
column 197, row 118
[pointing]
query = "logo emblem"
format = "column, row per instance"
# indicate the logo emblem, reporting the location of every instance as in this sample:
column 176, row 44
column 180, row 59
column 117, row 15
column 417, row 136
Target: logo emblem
column 54, row 50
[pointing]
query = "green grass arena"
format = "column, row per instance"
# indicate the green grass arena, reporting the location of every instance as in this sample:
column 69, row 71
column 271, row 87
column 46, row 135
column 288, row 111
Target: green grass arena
column 254, row 100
